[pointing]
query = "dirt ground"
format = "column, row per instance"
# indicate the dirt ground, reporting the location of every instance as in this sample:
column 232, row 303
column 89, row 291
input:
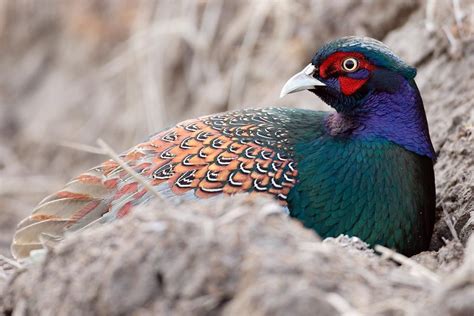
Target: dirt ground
column 71, row 72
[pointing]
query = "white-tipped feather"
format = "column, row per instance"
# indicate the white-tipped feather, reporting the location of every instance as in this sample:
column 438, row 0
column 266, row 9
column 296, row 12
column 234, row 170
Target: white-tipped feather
column 93, row 190
column 22, row 250
column 30, row 233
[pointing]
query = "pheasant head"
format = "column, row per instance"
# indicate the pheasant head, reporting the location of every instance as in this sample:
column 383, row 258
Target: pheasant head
column 372, row 90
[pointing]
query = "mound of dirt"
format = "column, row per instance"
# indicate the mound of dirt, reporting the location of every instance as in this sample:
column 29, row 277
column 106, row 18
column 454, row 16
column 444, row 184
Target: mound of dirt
column 235, row 256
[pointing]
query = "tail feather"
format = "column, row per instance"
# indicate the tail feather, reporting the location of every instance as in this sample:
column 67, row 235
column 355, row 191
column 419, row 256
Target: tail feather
column 32, row 232
column 63, row 208
column 82, row 201
column 22, row 250
column 87, row 185
column 92, row 211
column 54, row 219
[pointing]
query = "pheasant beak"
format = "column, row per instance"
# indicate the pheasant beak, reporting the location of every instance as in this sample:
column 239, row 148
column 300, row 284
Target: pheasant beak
column 303, row 80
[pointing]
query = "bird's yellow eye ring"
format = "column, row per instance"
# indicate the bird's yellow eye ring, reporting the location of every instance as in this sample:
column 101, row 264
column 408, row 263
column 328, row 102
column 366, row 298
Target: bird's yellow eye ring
column 350, row 64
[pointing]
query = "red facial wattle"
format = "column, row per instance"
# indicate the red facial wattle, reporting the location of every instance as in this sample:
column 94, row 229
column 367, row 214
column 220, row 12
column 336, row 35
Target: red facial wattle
column 350, row 85
column 332, row 66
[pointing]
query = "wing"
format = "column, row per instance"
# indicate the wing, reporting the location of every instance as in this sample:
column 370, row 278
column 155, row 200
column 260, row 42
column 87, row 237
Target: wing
column 242, row 151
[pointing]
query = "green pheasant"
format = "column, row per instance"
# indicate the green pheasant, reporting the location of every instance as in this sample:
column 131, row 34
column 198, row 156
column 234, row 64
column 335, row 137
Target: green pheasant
column 364, row 170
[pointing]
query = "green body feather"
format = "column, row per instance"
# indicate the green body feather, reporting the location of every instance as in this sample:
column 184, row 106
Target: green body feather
column 370, row 187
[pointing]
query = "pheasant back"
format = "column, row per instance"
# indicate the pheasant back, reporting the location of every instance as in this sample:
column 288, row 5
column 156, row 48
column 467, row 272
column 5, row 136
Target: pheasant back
column 245, row 151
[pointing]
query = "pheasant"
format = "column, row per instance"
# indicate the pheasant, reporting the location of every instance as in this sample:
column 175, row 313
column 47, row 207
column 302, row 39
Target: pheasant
column 365, row 169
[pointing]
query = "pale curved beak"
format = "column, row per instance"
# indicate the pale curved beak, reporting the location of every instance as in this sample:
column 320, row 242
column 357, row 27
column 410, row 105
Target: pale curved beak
column 303, row 80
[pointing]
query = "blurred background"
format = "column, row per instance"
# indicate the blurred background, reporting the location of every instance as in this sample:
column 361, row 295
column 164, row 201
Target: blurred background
column 74, row 71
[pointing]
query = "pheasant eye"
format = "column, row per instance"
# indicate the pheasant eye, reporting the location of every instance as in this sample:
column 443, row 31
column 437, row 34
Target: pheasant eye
column 350, row 64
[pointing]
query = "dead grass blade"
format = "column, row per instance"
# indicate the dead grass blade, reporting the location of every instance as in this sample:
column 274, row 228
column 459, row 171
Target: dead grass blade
column 113, row 155
column 403, row 260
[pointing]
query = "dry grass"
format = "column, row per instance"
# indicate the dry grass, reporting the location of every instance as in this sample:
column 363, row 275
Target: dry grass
column 456, row 21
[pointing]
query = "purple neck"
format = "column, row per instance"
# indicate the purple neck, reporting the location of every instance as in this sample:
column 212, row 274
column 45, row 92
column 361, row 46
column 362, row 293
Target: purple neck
column 398, row 117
